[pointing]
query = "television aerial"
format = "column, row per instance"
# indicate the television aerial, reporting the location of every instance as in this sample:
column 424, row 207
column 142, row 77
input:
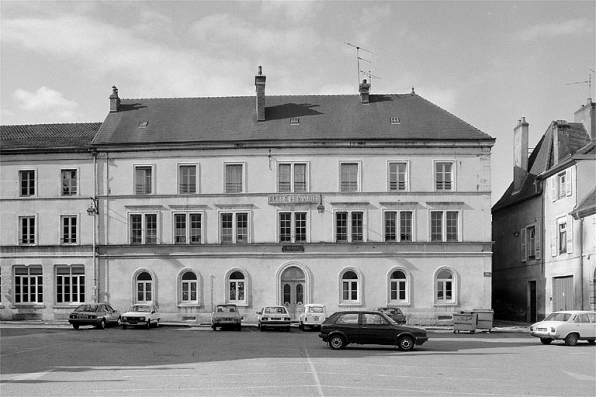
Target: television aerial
column 360, row 58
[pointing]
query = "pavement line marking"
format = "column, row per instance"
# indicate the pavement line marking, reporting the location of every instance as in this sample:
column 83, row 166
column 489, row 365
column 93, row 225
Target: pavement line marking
column 31, row 376
column 34, row 348
column 580, row 376
column 314, row 372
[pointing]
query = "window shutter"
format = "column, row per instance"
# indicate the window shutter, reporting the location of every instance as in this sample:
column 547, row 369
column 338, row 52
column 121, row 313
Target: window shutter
column 569, row 234
column 537, row 242
column 523, row 245
column 568, row 182
column 553, row 238
column 553, row 187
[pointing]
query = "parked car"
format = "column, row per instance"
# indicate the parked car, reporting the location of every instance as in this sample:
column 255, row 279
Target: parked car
column 369, row 327
column 569, row 325
column 144, row 314
column 274, row 317
column 99, row 315
column 313, row 316
column 394, row 312
column 226, row 316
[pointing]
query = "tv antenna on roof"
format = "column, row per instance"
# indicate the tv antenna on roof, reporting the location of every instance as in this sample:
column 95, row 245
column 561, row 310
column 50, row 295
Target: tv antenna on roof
column 588, row 82
column 359, row 58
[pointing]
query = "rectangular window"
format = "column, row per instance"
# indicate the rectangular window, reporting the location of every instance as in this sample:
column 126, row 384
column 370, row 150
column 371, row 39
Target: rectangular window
column 398, row 230
column 69, row 229
column 234, row 228
column 349, row 226
column 390, row 226
column 398, row 177
column 350, row 290
column 349, row 177
column 562, row 237
column 444, row 226
column 70, row 284
column 292, row 177
column 28, row 284
column 143, row 180
column 187, row 176
column 562, row 183
column 234, row 178
column 27, row 180
column 405, row 226
column 443, row 176
column 531, row 242
column 27, row 226
column 69, row 182
column 143, row 228
column 187, row 228
column 292, row 227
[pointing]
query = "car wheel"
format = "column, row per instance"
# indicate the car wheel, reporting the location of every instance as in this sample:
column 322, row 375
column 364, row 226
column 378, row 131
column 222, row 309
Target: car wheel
column 546, row 341
column 571, row 340
column 75, row 326
column 102, row 324
column 149, row 324
column 213, row 327
column 124, row 326
column 157, row 323
column 337, row 342
column 288, row 329
column 405, row 343
column 261, row 327
column 301, row 326
column 591, row 341
column 239, row 327
column 119, row 322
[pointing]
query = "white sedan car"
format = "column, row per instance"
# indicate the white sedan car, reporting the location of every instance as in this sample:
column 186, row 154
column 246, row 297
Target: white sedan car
column 569, row 325
column 143, row 314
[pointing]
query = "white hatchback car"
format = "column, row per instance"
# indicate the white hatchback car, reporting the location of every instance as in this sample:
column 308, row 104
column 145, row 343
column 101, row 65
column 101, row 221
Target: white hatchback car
column 313, row 316
column 569, row 325
column 141, row 314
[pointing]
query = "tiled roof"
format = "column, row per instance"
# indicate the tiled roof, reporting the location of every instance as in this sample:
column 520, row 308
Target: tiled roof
column 233, row 119
column 47, row 136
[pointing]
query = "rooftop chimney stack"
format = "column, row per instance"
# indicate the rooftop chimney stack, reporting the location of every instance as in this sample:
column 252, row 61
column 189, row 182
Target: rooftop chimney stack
column 587, row 115
column 260, row 88
column 364, row 90
column 114, row 100
column 520, row 153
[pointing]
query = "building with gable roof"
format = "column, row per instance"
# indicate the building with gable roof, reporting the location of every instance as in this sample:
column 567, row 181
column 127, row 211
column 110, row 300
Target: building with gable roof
column 543, row 253
column 353, row 201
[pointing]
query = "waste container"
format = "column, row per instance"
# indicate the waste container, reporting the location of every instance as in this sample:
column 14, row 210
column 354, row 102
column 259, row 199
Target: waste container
column 464, row 321
column 485, row 318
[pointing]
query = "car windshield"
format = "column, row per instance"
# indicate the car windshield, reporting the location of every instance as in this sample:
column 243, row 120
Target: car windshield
column 275, row 310
column 139, row 308
column 226, row 309
column 558, row 317
column 316, row 309
column 87, row 308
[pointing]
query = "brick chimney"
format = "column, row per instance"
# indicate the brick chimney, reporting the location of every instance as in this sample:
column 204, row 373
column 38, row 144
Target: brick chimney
column 364, row 90
column 587, row 115
column 520, row 153
column 260, row 88
column 114, row 100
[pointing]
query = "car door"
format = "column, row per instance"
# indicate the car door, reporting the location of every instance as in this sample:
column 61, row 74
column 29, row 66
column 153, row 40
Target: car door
column 374, row 328
column 348, row 324
column 584, row 326
column 111, row 314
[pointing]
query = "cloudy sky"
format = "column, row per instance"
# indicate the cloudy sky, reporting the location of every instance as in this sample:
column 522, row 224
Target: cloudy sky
column 487, row 62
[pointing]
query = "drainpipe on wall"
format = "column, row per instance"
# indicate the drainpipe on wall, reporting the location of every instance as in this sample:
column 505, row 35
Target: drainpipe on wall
column 95, row 224
column 581, row 261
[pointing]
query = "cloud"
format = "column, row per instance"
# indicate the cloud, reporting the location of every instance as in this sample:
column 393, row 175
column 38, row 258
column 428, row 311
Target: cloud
column 296, row 11
column 47, row 101
column 573, row 27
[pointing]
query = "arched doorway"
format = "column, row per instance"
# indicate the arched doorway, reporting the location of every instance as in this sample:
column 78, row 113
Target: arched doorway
column 292, row 290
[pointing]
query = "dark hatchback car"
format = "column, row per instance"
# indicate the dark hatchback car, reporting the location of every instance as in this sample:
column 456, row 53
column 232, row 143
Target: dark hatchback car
column 393, row 312
column 364, row 327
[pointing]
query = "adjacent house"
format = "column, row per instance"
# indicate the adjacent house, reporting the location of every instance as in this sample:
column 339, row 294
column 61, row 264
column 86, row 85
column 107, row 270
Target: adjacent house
column 352, row 201
column 544, row 249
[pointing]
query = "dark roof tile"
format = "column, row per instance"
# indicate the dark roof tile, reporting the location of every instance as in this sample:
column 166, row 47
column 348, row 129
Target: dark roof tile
column 47, row 136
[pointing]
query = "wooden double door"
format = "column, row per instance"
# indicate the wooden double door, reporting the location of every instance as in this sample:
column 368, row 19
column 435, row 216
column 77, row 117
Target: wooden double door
column 292, row 290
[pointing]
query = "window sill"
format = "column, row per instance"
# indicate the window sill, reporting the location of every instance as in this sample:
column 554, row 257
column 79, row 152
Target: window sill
column 239, row 304
column 350, row 304
column 189, row 305
column 445, row 304
column 27, row 306
column 71, row 306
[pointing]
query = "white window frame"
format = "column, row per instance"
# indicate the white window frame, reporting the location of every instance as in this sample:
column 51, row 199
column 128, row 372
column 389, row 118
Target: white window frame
column 556, row 243
column 398, row 214
column 293, row 227
column 136, row 282
column 235, row 226
column 406, row 283
column 33, row 280
column 20, row 182
column 77, row 229
column 358, row 176
column 292, row 181
column 454, row 287
column 407, row 176
column 453, row 175
column 189, row 283
column 526, row 243
column 349, row 230
column 144, row 235
column 444, row 226
column 351, row 282
column 187, row 236
column 179, row 176
column 244, row 282
column 77, row 182
column 35, row 230
column 243, row 176
column 79, row 297
column 153, row 186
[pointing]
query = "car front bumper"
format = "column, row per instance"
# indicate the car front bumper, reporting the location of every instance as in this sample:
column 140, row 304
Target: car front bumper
column 84, row 321
column 134, row 322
